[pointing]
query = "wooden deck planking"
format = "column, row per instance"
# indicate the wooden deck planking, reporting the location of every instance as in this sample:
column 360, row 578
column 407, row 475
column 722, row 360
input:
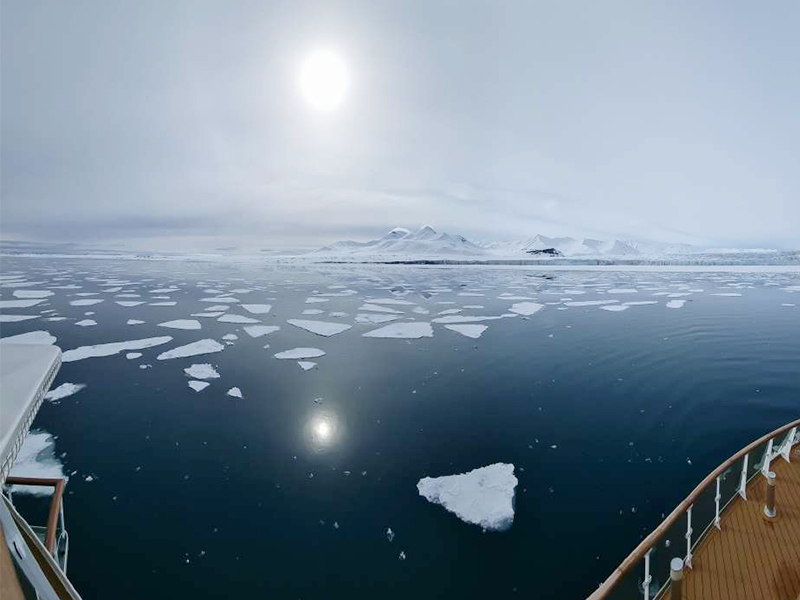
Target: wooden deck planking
column 751, row 558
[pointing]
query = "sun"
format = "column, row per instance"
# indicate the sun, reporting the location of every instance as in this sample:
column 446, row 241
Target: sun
column 324, row 80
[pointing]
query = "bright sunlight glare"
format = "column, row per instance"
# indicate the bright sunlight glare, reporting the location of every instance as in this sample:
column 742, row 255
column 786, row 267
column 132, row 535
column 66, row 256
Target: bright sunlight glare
column 323, row 80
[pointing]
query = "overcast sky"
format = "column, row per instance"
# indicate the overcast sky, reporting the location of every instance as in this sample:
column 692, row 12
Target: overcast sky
column 181, row 124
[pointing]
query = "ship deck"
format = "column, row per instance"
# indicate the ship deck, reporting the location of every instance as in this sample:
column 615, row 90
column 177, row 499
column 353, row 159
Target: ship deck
column 752, row 558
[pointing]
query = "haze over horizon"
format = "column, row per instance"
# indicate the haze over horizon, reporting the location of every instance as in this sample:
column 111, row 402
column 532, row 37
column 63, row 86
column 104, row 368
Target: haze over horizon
column 204, row 125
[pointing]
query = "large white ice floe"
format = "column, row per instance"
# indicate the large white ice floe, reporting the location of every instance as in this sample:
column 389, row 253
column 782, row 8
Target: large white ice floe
column 182, row 324
column 113, row 348
column 526, row 308
column 37, row 458
column 407, row 331
column 65, row 390
column 16, row 318
column 32, row 293
column 31, row 337
column 257, row 309
column 471, row 331
column 201, row 371
column 323, row 328
column 231, row 318
column 19, row 303
column 255, row 331
column 483, row 497
column 300, row 353
column 207, row 346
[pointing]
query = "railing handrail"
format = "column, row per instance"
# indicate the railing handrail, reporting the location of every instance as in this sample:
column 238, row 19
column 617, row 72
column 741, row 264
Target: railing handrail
column 648, row 542
column 55, row 503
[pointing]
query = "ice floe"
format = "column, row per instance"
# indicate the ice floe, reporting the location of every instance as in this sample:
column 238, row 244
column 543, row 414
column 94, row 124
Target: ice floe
column 190, row 324
column 232, row 318
column 728, row 294
column 313, row 311
column 133, row 355
column 86, row 301
column 483, row 497
column 129, row 303
column 16, row 318
column 31, row 337
column 313, row 300
column 465, row 319
column 526, row 308
column 622, row 291
column 375, row 319
column 134, row 322
column 471, row 331
column 300, row 353
column 640, row 303
column 376, row 308
column 112, row 348
column 409, row 331
column 32, row 293
column 86, row 323
column 207, row 314
column 615, row 307
column 255, row 331
column 207, row 346
column 65, row 390
column 675, row 303
column 323, row 328
column 198, row 386
column 19, row 303
column 257, row 309
column 37, row 458
column 201, row 371
column 306, row 365
column 391, row 301
column 163, row 303
column 591, row 303
column 235, row 392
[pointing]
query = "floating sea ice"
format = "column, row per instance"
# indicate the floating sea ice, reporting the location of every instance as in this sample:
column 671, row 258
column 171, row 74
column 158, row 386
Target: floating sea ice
column 314, row 300
column 306, row 365
column 221, row 299
column 375, row 319
column 337, row 314
column 201, row 371
column 300, row 353
column 16, row 318
column 787, row 304
column 255, row 331
column 640, row 303
column 407, row 331
column 615, row 307
column 31, row 337
column 182, row 324
column 32, row 293
column 473, row 306
column 133, row 355
column 65, row 390
column 217, row 307
column 450, row 311
column 129, row 303
column 86, row 302
column 163, row 303
column 234, row 392
column 466, row 318
column 420, row 311
column 729, row 294
column 19, row 303
column 198, row 386
column 230, row 337
column 623, row 291
column 675, row 303
column 313, row 311
column 526, row 308
column 37, row 458
column 112, row 348
column 212, row 314
column 257, row 309
column 231, row 318
column 86, row 323
column 591, row 302
column 376, row 308
column 392, row 301
column 207, row 346
column 323, row 328
column 483, row 497
column 134, row 322
column 471, row 331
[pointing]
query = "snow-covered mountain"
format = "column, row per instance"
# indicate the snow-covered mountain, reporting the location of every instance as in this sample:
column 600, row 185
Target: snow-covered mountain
column 567, row 246
column 425, row 242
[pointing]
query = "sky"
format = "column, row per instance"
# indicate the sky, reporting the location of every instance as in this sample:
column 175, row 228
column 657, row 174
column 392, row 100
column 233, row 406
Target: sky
column 183, row 124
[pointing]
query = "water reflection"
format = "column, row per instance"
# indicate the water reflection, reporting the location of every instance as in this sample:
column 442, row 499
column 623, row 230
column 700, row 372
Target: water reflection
column 322, row 430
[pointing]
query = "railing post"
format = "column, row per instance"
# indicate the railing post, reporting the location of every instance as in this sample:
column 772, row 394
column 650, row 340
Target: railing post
column 743, row 480
column 688, row 560
column 767, row 459
column 769, row 507
column 676, row 578
column 647, row 577
column 717, row 498
column 786, row 449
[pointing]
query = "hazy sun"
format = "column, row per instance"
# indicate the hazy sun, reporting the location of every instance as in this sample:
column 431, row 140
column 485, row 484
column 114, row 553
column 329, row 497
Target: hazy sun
column 323, row 80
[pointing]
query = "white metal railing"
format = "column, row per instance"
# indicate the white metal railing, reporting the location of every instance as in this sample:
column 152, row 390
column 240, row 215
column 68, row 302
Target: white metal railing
column 773, row 450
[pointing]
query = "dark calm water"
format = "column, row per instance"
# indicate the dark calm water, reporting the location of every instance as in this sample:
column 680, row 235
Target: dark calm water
column 203, row 495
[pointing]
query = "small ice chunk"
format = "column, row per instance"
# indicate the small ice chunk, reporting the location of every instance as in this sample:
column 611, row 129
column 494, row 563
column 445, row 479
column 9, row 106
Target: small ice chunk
column 129, row 303
column 201, row 371
column 375, row 319
column 376, row 308
column 207, row 346
column 86, row 323
column 323, row 328
column 313, row 300
column 408, row 331
column 257, row 309
column 313, row 311
column 623, row 291
column 198, row 386
column 615, row 307
column 640, row 303
column 86, row 301
column 190, row 324
column 471, row 331
column 306, row 365
column 676, row 303
column 591, row 303
column 483, row 497
column 230, row 337
column 134, row 322
column 232, row 318
column 64, row 391
column 234, row 392
column 727, row 294
column 256, row 331
column 133, row 355
column 526, row 308
column 163, row 303
column 300, row 353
